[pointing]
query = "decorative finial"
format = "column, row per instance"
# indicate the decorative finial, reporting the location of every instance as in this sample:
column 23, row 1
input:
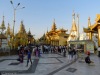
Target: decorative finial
column 78, row 15
column 3, row 17
column 47, row 29
column 73, row 14
column 89, row 18
column 54, row 20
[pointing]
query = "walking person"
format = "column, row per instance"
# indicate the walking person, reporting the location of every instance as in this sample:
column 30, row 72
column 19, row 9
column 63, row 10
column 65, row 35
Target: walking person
column 70, row 53
column 28, row 57
column 74, row 54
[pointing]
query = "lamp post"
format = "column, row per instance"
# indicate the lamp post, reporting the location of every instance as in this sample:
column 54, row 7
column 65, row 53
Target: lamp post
column 14, row 9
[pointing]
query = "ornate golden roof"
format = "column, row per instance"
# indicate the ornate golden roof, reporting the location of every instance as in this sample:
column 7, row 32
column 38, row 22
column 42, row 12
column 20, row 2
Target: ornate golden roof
column 87, row 30
column 98, row 18
column 96, row 23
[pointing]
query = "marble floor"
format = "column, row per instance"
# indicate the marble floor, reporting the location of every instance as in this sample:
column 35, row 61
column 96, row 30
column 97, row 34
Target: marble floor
column 48, row 64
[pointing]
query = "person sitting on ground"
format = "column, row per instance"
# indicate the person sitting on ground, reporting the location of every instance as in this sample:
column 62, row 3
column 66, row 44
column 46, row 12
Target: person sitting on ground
column 87, row 59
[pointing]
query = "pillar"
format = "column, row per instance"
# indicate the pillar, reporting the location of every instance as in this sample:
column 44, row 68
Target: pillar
column 98, row 36
column 90, row 36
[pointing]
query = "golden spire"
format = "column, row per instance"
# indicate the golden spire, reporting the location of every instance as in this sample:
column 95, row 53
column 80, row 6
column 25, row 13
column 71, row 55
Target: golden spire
column 29, row 32
column 74, row 27
column 8, row 30
column 2, row 27
column 89, row 23
column 47, row 30
column 54, row 26
column 22, row 28
column 73, row 15
column 78, row 25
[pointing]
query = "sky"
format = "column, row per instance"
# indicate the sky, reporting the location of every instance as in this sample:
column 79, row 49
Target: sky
column 38, row 15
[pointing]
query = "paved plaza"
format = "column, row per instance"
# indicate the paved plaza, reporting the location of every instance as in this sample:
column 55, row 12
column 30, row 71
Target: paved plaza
column 48, row 64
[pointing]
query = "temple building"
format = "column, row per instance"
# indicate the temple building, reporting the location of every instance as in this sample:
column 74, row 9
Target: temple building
column 94, row 29
column 74, row 30
column 56, row 36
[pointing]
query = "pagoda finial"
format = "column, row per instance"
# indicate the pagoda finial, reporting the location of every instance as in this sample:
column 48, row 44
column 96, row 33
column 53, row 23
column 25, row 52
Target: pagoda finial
column 73, row 15
column 8, row 30
column 3, row 17
column 47, row 30
column 54, row 20
column 89, row 23
column 54, row 26
column 29, row 32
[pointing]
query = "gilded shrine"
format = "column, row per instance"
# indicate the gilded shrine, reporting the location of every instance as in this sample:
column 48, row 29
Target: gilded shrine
column 56, row 36
column 94, row 29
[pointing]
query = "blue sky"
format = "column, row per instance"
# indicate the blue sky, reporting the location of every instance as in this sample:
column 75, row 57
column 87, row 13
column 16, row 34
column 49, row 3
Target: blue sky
column 38, row 15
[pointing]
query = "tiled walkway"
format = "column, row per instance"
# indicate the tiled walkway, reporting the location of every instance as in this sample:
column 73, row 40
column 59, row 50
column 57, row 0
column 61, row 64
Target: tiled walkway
column 48, row 64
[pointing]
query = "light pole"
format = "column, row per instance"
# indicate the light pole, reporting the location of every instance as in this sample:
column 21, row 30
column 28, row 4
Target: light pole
column 14, row 9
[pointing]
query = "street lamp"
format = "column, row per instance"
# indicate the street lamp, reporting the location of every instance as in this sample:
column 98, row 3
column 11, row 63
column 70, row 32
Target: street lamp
column 15, row 8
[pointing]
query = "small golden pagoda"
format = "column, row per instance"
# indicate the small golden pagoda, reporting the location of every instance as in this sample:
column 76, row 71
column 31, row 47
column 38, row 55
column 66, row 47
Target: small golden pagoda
column 3, row 38
column 89, row 24
column 56, row 37
column 21, row 36
column 2, row 27
column 9, row 35
column 95, row 28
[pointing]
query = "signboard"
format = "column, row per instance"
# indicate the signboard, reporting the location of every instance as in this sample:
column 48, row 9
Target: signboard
column 90, row 46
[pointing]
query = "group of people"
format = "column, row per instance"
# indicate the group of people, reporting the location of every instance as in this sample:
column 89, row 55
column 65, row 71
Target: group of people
column 45, row 49
column 37, row 50
column 72, row 53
